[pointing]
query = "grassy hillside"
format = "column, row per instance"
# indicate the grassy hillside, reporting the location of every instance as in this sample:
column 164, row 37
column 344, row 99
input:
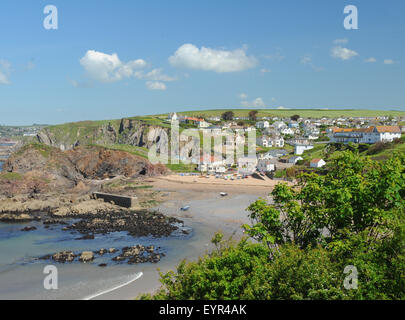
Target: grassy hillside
column 307, row 113
column 82, row 130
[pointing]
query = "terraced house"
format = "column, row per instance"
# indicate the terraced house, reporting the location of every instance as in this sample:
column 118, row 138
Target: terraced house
column 370, row 135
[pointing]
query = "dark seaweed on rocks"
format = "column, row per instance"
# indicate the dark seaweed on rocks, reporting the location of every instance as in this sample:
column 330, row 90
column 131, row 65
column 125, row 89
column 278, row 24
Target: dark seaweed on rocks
column 137, row 224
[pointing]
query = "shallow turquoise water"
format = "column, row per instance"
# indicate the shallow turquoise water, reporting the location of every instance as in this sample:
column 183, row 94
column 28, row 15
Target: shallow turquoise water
column 21, row 273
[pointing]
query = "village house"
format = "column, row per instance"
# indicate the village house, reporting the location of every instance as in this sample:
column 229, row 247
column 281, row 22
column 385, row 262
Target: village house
column 247, row 165
column 264, row 165
column 269, row 142
column 287, row 131
column 172, row 117
column 317, row 163
column 273, row 154
column 301, row 148
column 203, row 124
column 211, row 165
column 262, row 124
column 278, row 125
column 191, row 120
column 369, row 135
column 277, row 141
column 293, row 125
column 295, row 159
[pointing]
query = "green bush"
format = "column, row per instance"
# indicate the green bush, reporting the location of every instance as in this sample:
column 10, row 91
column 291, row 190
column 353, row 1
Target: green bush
column 304, row 239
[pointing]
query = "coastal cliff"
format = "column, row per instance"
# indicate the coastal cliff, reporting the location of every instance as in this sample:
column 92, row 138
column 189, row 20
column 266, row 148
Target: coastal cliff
column 132, row 132
column 39, row 167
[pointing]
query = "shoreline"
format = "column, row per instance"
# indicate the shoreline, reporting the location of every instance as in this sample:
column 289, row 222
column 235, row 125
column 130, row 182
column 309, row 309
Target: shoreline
column 208, row 213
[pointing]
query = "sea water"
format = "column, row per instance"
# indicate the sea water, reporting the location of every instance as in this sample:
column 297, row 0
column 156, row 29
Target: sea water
column 21, row 273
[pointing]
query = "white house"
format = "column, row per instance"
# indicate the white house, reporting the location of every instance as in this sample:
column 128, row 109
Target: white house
column 370, row 135
column 293, row 125
column 247, row 165
column 277, row 141
column 300, row 148
column 279, row 125
column 287, row 131
column 317, row 163
column 264, row 165
column 273, row 154
column 295, row 159
column 211, row 165
column 268, row 142
column 173, row 117
column 262, row 124
column 203, row 124
column 263, row 141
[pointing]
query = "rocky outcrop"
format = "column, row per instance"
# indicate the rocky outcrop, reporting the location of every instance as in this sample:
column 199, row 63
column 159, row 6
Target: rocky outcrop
column 137, row 133
column 128, row 131
column 137, row 224
column 131, row 255
column 37, row 168
column 86, row 256
column 62, row 257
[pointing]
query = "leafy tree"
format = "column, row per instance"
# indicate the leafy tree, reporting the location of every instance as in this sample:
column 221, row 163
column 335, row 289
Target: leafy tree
column 253, row 115
column 228, row 115
column 295, row 117
column 355, row 194
column 353, row 215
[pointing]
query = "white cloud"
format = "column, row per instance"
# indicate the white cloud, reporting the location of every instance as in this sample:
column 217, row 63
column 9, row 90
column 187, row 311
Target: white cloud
column 343, row 53
column 154, row 75
column 307, row 60
column 282, row 108
column 258, row 103
column 243, row 96
column 371, row 60
column 5, row 69
column 156, row 85
column 278, row 56
column 108, row 68
column 207, row 59
column 341, row 41
column 264, row 70
column 389, row 61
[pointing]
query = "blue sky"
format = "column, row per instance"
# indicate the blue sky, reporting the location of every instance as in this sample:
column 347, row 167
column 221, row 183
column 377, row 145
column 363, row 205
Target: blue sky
column 188, row 55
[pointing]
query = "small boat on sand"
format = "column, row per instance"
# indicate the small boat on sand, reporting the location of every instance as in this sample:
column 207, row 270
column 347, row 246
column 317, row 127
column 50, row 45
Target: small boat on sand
column 185, row 208
column 223, row 194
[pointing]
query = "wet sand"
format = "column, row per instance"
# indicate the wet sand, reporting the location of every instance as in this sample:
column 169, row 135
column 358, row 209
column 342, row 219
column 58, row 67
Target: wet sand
column 208, row 213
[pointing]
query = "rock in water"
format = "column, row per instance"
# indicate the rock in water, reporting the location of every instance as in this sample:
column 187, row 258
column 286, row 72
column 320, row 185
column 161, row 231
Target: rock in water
column 86, row 256
column 28, row 228
column 64, row 256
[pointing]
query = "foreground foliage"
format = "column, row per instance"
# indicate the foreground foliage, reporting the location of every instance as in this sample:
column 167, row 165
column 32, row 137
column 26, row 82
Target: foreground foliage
column 352, row 216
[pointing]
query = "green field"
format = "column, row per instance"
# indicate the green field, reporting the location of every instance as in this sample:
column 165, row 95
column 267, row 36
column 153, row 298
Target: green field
column 305, row 113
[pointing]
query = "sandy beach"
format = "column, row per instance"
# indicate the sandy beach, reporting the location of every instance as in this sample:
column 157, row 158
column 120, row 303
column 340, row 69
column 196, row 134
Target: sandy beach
column 201, row 183
column 208, row 213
